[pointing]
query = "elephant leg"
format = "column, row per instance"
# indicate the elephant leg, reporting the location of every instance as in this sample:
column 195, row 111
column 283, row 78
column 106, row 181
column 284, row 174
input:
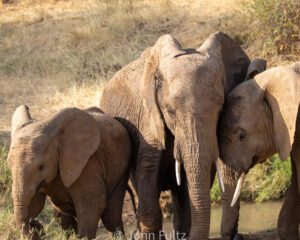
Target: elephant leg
column 89, row 197
column 112, row 216
column 149, row 213
column 88, row 218
column 230, row 215
column 89, row 209
column 66, row 221
column 37, row 204
column 182, row 211
column 288, row 222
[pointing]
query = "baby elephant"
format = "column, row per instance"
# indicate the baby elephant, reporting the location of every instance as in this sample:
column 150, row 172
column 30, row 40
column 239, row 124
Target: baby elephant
column 79, row 158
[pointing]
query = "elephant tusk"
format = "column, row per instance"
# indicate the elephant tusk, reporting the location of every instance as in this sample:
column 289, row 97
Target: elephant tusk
column 238, row 189
column 178, row 172
column 220, row 176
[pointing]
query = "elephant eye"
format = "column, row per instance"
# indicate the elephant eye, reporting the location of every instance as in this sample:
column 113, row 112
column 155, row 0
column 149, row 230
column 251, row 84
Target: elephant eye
column 41, row 167
column 242, row 136
column 171, row 113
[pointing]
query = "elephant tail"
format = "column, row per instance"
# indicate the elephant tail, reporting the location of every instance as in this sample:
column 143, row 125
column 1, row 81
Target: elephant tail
column 130, row 191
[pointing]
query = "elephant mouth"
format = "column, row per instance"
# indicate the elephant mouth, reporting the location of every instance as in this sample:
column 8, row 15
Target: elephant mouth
column 254, row 160
column 41, row 186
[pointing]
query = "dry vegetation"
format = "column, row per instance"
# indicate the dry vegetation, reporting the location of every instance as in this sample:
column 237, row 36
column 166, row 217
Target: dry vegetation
column 51, row 49
column 57, row 53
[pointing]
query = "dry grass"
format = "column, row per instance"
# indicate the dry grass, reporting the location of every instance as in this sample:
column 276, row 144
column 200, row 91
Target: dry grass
column 68, row 49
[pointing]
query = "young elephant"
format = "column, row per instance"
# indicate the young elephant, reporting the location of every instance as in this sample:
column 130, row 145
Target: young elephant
column 79, row 158
column 261, row 118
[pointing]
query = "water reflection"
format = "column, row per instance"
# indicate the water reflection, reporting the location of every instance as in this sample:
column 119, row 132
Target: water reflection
column 253, row 218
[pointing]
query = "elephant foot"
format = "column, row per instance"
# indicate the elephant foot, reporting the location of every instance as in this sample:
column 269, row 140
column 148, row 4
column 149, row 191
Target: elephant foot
column 137, row 235
column 36, row 230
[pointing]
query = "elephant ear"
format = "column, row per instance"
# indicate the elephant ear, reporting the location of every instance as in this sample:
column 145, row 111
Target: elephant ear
column 20, row 117
column 282, row 94
column 257, row 65
column 78, row 139
column 164, row 47
column 233, row 57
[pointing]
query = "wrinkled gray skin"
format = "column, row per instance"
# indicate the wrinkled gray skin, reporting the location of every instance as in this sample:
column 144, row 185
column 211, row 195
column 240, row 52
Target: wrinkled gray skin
column 79, row 158
column 261, row 118
column 169, row 99
column 230, row 215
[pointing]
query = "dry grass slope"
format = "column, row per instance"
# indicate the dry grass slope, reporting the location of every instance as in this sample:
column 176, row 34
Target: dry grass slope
column 49, row 49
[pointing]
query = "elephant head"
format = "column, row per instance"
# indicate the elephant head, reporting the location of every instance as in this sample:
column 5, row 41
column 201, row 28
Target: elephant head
column 183, row 91
column 259, row 119
column 39, row 151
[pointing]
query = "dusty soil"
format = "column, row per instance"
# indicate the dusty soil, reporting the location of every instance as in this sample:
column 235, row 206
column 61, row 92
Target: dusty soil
column 129, row 217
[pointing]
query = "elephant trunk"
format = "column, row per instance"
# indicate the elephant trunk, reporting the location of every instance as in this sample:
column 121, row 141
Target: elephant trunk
column 21, row 213
column 21, row 199
column 198, row 183
column 230, row 214
column 21, row 218
column 198, row 157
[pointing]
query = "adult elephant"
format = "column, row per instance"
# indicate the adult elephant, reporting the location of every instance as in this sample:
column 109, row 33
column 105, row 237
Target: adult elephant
column 170, row 99
column 261, row 118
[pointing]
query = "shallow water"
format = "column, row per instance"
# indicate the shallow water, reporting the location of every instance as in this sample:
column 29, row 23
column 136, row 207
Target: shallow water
column 254, row 217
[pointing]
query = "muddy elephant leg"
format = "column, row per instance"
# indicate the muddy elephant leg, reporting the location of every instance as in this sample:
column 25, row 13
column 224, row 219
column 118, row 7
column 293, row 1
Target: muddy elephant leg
column 182, row 211
column 149, row 214
column 112, row 216
column 288, row 222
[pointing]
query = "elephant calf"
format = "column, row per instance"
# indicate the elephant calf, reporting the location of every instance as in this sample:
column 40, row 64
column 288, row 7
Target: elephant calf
column 79, row 158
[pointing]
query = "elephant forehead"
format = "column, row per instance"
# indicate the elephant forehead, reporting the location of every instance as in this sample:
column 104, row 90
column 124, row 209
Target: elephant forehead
column 180, row 69
column 30, row 130
column 30, row 143
column 245, row 115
